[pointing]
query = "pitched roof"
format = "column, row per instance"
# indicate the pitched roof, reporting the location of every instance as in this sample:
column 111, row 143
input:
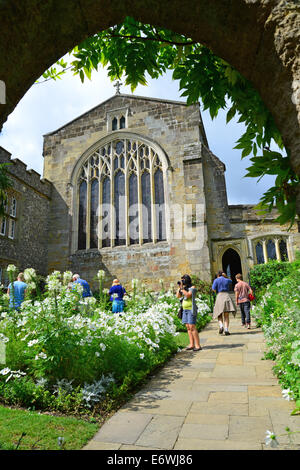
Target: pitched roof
column 147, row 98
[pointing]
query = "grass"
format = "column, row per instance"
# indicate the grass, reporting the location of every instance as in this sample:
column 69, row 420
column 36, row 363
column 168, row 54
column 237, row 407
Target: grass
column 41, row 430
column 31, row 430
column 182, row 339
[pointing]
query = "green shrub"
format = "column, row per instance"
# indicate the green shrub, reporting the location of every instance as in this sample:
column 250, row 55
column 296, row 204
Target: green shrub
column 278, row 313
column 261, row 275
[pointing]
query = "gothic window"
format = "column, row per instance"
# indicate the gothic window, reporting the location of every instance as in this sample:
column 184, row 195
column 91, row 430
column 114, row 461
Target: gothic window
column 114, row 124
column 283, row 250
column 122, row 123
column 119, row 186
column 121, row 199
column 94, row 213
column 159, row 205
column 82, row 215
column 271, row 250
column 133, row 210
column 259, row 253
column 106, row 212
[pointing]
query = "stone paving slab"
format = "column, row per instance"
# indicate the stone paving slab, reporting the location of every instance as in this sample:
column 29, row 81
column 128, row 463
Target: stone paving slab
column 123, row 428
column 161, row 432
column 249, row 428
column 159, row 406
column 214, row 444
column 224, row 397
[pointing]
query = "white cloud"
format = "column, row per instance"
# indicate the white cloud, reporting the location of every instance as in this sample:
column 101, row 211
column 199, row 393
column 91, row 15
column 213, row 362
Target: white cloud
column 50, row 105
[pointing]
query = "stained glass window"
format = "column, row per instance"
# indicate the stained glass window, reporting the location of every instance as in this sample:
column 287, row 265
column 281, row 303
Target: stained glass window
column 82, row 215
column 126, row 177
column 259, row 253
column 159, row 205
column 120, row 238
column 146, row 207
column 283, row 250
column 271, row 249
column 106, row 212
column 94, row 214
column 133, row 210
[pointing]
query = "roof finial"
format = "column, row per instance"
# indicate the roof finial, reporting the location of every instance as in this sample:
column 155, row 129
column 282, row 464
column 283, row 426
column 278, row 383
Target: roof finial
column 117, row 85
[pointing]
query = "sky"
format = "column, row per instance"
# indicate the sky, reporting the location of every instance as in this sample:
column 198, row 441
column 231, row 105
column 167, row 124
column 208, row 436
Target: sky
column 49, row 105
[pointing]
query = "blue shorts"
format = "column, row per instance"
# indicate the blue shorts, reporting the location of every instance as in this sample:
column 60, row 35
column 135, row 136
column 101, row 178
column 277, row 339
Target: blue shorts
column 188, row 317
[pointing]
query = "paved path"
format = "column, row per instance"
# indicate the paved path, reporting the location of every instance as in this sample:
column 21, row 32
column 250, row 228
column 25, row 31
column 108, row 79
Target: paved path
column 223, row 397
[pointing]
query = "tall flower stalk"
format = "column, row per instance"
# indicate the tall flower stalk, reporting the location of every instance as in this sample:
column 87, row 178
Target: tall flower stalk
column 101, row 276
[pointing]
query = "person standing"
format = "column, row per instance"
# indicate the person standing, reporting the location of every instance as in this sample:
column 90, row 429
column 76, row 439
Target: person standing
column 242, row 291
column 223, row 305
column 16, row 292
column 86, row 288
column 189, row 314
column 117, row 292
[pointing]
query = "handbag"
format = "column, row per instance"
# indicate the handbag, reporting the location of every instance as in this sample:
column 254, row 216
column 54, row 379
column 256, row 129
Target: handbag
column 179, row 314
column 251, row 297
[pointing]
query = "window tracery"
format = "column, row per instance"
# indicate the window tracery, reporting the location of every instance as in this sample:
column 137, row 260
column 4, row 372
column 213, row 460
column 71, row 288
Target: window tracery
column 121, row 197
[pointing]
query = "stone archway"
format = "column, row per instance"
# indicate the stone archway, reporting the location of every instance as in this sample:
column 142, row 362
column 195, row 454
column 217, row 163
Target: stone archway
column 260, row 38
column 231, row 264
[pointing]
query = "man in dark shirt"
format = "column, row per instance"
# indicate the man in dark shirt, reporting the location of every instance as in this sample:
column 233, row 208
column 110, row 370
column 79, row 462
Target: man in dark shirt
column 86, row 288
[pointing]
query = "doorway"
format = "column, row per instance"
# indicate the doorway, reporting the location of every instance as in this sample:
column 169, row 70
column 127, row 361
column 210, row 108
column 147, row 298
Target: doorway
column 231, row 264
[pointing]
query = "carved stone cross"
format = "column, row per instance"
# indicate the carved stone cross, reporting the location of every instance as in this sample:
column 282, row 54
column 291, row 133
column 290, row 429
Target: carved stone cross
column 117, row 85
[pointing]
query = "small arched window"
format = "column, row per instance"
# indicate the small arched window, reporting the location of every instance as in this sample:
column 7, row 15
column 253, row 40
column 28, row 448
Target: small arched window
column 114, row 124
column 122, row 122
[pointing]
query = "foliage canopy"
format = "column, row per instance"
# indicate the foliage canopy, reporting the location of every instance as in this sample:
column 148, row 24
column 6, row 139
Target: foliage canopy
column 133, row 49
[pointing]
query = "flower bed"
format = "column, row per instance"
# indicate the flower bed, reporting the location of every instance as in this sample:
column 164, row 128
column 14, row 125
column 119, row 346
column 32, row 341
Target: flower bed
column 71, row 354
column 278, row 313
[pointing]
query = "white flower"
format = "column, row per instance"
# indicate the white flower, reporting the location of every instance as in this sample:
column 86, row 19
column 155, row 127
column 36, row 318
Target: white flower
column 102, row 346
column 29, row 274
column 142, row 356
column 271, row 439
column 32, row 342
column 60, row 441
column 11, row 268
column 287, row 394
column 101, row 274
column 41, row 355
column 5, row 371
column 67, row 277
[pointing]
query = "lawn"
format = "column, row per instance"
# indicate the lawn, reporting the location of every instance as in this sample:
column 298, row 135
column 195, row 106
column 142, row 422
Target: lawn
column 42, row 431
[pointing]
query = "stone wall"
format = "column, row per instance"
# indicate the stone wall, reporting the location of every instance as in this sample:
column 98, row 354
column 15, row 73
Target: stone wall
column 176, row 128
column 28, row 248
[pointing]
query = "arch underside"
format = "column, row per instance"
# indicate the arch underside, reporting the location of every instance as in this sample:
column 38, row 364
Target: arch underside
column 259, row 38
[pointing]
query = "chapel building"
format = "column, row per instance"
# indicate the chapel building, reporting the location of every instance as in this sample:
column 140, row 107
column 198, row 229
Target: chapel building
column 132, row 188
